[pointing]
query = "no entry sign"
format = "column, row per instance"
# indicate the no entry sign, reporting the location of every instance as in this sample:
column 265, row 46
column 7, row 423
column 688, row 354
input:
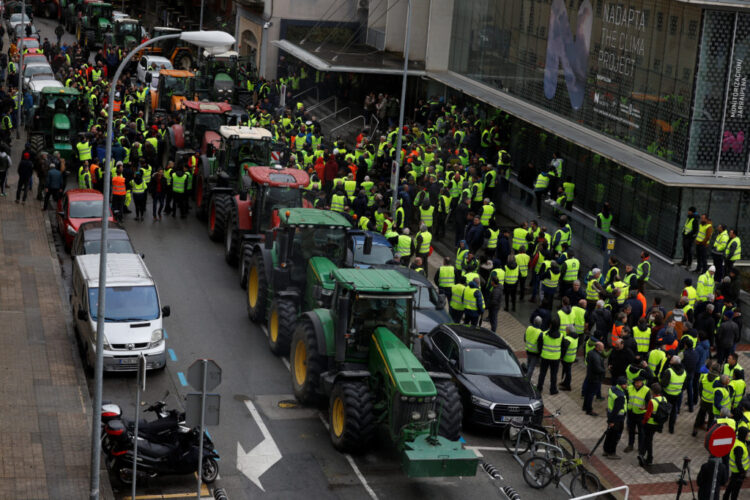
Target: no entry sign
column 719, row 440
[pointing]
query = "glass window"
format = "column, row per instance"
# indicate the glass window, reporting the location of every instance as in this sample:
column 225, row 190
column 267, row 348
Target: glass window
column 114, row 246
column 490, row 361
column 126, row 303
column 86, row 209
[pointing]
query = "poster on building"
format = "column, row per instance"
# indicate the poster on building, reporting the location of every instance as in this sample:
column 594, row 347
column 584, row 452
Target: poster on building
column 734, row 149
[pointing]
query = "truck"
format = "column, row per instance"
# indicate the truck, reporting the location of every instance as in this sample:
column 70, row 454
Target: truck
column 361, row 354
column 55, row 121
column 94, row 23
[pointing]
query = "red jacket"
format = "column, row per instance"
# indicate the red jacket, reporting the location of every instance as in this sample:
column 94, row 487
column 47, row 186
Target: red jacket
column 331, row 170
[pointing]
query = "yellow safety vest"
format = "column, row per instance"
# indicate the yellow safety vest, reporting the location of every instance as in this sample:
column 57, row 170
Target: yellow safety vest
column 676, row 383
column 642, row 338
column 572, row 266
column 84, row 150
column 511, row 275
column 744, row 465
column 523, row 259
column 519, row 238
column 571, row 351
column 138, row 188
column 487, row 212
column 403, row 246
column 446, row 275
column 426, row 240
column 551, row 347
column 457, row 295
column 337, row 202
column 492, row 241
column 531, row 337
column 637, row 399
column 470, row 300
column 426, row 216
column 720, row 243
column 655, row 404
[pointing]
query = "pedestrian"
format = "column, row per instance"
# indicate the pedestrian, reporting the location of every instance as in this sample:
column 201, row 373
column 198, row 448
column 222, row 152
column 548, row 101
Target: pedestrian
column 651, row 424
column 550, row 347
column 158, row 189
column 617, row 404
column 595, row 372
column 422, row 245
column 456, row 304
column 706, row 481
column 689, row 230
column 531, row 336
column 473, row 302
column 638, row 393
column 54, row 185
column 718, row 249
column 25, row 170
column 119, row 192
column 569, row 353
column 722, row 398
column 445, row 277
column 691, row 364
column 727, row 336
column 179, row 186
column 59, row 31
column 702, row 238
column 673, row 381
column 4, row 167
column 138, row 188
column 494, row 302
column 511, row 283
column 739, row 464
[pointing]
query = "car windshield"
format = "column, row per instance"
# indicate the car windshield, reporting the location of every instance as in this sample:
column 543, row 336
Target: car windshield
column 209, row 121
column 113, row 246
column 254, row 152
column 380, row 254
column 426, row 297
column 16, row 18
column 126, row 303
column 38, row 70
column 321, row 241
column 490, row 360
column 89, row 209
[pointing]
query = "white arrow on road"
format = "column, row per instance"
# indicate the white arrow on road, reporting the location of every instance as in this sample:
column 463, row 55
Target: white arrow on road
column 261, row 458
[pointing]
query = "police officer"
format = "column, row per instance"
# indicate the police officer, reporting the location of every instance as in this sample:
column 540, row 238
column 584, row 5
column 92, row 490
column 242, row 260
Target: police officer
column 617, row 405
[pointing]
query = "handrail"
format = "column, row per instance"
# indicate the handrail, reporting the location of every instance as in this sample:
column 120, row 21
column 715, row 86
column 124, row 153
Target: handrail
column 356, row 118
column 373, row 129
column 325, row 101
column 347, row 109
column 611, row 490
column 315, row 88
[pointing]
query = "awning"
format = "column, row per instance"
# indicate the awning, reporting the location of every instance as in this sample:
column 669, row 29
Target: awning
column 616, row 151
column 378, row 63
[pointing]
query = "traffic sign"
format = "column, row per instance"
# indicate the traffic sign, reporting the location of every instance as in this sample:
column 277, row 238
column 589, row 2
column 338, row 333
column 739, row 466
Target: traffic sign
column 719, row 440
column 195, row 375
column 193, row 409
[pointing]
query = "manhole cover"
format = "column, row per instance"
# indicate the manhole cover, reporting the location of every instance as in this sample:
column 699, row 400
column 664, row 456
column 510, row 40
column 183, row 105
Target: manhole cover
column 288, row 403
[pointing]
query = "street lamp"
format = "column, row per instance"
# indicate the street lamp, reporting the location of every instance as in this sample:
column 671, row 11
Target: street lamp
column 215, row 42
column 397, row 167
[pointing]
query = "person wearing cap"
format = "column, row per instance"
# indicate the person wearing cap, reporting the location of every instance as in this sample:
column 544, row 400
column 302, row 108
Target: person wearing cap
column 638, row 396
column 617, row 404
column 727, row 335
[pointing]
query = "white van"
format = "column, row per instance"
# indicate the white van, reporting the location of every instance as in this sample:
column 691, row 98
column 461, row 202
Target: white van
column 133, row 319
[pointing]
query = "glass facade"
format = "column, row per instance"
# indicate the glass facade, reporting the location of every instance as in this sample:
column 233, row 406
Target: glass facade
column 626, row 70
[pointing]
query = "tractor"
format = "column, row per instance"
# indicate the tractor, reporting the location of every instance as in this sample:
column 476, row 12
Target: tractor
column 356, row 354
column 47, row 8
column 95, row 21
column 126, row 33
column 181, row 56
column 54, row 121
column 221, row 76
column 173, row 89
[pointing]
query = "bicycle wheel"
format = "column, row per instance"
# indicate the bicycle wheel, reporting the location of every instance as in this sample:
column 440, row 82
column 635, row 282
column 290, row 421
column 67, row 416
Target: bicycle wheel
column 538, row 472
column 521, row 442
column 584, row 483
column 566, row 445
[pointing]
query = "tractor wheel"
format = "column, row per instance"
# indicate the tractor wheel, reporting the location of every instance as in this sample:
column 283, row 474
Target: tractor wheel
column 449, row 409
column 244, row 99
column 37, row 143
column 246, row 253
column 281, row 321
column 218, row 208
column 200, row 198
column 351, row 416
column 257, row 285
column 78, row 34
column 305, row 363
column 231, row 237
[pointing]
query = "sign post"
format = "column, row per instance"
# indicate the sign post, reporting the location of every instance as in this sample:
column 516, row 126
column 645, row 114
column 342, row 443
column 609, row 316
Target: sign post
column 204, row 375
column 719, row 442
column 140, row 386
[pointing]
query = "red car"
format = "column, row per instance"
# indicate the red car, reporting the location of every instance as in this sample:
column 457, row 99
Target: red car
column 76, row 207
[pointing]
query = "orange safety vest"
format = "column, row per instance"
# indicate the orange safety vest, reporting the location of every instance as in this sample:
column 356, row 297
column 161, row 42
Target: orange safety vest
column 93, row 170
column 118, row 186
column 616, row 332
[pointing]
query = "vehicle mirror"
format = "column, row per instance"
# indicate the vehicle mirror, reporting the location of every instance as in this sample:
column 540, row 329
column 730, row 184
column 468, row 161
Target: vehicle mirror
column 148, row 77
column 367, row 249
column 441, row 301
column 452, row 362
column 524, row 367
column 82, row 314
column 268, row 242
column 166, row 311
column 143, row 256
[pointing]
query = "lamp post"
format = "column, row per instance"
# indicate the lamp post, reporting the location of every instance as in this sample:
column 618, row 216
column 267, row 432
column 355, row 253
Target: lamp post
column 19, row 92
column 220, row 41
column 397, row 166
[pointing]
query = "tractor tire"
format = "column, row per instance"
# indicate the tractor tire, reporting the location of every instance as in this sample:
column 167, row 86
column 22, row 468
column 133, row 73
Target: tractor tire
column 305, row 362
column 449, row 409
column 200, row 198
column 218, row 208
column 231, row 237
column 282, row 318
column 244, row 99
column 351, row 416
column 246, row 253
column 79, row 34
column 37, row 143
column 90, row 38
column 257, row 286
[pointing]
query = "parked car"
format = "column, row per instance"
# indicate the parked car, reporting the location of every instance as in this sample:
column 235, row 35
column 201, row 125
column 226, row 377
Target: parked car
column 492, row 383
column 429, row 303
column 88, row 239
column 381, row 253
column 75, row 207
column 35, row 71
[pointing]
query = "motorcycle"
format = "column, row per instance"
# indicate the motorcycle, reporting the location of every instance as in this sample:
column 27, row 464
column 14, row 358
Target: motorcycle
column 177, row 457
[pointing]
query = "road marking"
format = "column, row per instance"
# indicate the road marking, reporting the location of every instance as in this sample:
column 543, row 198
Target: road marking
column 182, row 378
column 286, row 363
column 172, row 354
column 265, row 330
column 353, row 464
column 165, row 334
column 257, row 461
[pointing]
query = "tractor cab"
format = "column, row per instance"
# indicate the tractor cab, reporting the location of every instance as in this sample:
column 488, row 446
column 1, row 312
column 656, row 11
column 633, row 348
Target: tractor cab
column 201, row 122
column 127, row 32
column 271, row 189
column 222, row 77
column 181, row 56
column 54, row 120
column 173, row 89
column 96, row 17
column 242, row 148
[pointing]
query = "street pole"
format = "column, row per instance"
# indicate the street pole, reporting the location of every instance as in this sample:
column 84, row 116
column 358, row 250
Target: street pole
column 396, row 168
column 200, row 25
column 204, row 369
column 99, row 367
column 20, row 72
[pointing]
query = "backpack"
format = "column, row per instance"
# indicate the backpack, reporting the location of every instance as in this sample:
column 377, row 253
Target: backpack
column 662, row 412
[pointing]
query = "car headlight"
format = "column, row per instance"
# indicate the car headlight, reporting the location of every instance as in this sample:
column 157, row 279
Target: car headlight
column 537, row 405
column 71, row 231
column 481, row 402
column 156, row 337
column 415, row 415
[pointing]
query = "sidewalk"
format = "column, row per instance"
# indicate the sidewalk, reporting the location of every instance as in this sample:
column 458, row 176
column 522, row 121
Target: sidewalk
column 45, row 438
column 584, row 430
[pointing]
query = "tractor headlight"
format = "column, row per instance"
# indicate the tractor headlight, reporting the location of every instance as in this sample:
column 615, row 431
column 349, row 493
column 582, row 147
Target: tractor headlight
column 412, row 399
column 415, row 415
column 156, row 337
column 431, row 415
column 481, row 402
column 404, row 398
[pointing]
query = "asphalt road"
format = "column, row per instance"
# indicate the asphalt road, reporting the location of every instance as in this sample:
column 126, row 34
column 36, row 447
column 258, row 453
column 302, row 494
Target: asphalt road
column 209, row 321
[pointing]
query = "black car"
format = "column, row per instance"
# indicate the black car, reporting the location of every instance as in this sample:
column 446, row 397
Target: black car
column 493, row 388
column 88, row 239
column 429, row 304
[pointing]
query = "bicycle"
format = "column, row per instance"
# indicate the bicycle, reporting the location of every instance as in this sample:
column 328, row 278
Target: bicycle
column 539, row 472
column 518, row 438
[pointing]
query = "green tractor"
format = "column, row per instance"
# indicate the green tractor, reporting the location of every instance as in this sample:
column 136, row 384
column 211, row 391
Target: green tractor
column 356, row 354
column 126, row 33
column 94, row 23
column 221, row 76
column 54, row 121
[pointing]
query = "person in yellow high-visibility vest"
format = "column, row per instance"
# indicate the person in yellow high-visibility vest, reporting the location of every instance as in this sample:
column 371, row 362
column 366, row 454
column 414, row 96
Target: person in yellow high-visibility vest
column 739, row 464
column 445, row 277
column 550, row 347
column 422, row 242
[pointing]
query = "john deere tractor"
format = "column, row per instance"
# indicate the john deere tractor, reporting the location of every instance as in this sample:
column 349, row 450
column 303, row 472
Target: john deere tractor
column 126, row 33
column 356, row 354
column 94, row 23
column 55, row 121
column 221, row 76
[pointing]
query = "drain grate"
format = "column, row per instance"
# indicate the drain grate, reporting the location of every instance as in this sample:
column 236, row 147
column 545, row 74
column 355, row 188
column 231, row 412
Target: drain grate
column 662, row 468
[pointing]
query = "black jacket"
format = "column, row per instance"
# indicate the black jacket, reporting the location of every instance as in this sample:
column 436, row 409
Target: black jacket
column 705, row 478
column 595, row 370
